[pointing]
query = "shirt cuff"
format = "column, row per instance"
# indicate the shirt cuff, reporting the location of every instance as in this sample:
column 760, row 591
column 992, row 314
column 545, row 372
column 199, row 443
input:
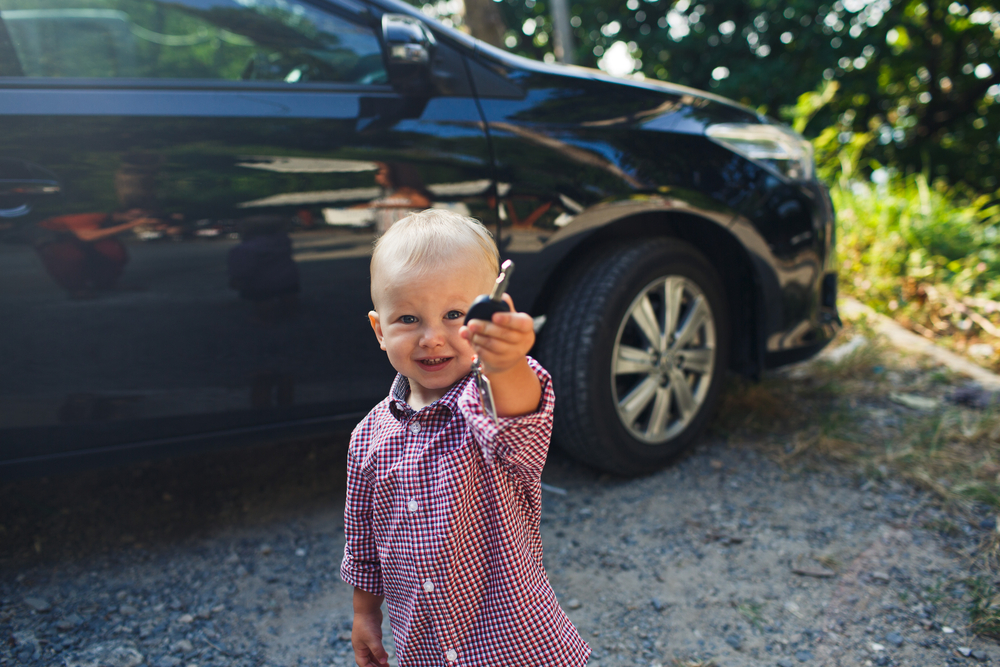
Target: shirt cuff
column 489, row 434
column 366, row 577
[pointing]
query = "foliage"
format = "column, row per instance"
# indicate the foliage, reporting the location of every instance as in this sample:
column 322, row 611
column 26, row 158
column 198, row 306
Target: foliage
column 924, row 253
column 902, row 229
column 920, row 77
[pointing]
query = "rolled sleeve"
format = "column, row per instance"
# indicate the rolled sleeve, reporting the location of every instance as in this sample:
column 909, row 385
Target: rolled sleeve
column 360, row 567
column 521, row 442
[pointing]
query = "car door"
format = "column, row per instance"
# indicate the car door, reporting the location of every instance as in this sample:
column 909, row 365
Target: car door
column 190, row 193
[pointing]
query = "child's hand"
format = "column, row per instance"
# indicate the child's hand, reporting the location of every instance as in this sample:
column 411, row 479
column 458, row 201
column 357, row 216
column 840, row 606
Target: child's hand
column 502, row 343
column 502, row 346
column 366, row 640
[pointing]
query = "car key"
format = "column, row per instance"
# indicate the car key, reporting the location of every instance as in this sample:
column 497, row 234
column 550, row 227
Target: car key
column 482, row 309
column 485, row 389
column 486, row 304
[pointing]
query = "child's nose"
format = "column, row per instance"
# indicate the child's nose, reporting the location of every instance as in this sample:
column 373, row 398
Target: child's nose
column 432, row 335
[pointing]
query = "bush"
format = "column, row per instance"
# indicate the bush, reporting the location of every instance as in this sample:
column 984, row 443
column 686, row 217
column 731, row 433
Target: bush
column 924, row 253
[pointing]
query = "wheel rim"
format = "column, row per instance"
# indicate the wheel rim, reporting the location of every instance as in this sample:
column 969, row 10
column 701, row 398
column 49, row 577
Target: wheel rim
column 663, row 359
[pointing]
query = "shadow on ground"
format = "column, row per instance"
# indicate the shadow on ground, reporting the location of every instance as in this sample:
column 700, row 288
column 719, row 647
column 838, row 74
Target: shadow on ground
column 79, row 514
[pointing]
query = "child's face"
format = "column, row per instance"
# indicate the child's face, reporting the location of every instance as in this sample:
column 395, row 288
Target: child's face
column 417, row 320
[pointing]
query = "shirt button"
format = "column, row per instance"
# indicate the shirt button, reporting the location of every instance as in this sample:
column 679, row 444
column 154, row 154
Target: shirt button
column 451, row 655
column 415, row 428
column 412, row 505
column 428, row 586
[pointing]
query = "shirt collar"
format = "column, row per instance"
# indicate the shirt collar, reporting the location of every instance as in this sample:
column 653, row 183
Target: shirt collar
column 401, row 388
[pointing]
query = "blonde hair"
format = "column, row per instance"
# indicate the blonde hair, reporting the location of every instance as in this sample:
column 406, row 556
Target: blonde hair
column 421, row 241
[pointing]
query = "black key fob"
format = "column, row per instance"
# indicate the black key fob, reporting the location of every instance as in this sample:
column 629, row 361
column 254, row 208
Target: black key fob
column 486, row 304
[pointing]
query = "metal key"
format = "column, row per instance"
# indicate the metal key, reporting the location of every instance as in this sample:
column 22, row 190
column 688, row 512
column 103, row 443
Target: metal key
column 485, row 390
column 486, row 304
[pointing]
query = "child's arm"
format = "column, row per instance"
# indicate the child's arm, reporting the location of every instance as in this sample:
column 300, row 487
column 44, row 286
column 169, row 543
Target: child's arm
column 366, row 636
column 502, row 346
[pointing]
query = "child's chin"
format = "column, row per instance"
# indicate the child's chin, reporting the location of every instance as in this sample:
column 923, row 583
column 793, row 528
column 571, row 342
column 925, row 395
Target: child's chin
column 441, row 379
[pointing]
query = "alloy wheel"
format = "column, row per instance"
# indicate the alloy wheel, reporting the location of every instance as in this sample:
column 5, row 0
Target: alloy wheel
column 663, row 359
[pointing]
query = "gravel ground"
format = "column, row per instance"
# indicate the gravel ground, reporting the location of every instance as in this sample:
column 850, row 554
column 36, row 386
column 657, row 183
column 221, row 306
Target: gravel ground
column 724, row 558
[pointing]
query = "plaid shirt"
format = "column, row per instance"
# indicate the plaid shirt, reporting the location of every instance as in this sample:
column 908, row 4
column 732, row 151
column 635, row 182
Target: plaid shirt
column 442, row 518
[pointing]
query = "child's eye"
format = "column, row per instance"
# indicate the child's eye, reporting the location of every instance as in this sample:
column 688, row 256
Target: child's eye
column 454, row 315
column 407, row 319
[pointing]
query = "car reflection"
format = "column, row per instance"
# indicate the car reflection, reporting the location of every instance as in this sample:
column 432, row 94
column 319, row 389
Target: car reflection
column 261, row 267
column 82, row 252
column 404, row 194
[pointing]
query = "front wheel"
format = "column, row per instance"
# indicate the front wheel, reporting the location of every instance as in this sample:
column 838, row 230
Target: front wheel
column 638, row 344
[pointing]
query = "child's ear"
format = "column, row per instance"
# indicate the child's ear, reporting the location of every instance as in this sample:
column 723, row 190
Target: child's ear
column 376, row 327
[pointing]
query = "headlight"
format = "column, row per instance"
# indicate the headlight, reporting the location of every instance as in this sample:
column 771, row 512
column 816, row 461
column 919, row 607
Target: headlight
column 777, row 148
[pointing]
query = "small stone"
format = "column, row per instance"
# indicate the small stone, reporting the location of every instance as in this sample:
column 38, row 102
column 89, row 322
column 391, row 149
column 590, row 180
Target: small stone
column 167, row 661
column 880, row 576
column 814, row 570
column 265, row 549
column 657, row 605
column 803, row 656
column 186, row 618
column 913, row 401
column 68, row 622
column 982, row 350
column 980, row 655
column 205, row 613
column 948, row 631
column 989, row 523
column 876, row 647
column 344, row 636
column 183, row 646
column 894, row 638
column 734, row 641
column 964, row 651
column 300, row 552
column 869, row 504
column 40, row 605
column 786, row 662
column 127, row 610
column 574, row 604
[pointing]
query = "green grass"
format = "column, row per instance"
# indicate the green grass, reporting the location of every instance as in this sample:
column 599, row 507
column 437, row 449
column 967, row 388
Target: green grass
column 984, row 608
column 753, row 613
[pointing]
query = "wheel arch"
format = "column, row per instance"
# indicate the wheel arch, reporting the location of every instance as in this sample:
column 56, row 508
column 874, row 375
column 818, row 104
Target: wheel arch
column 719, row 245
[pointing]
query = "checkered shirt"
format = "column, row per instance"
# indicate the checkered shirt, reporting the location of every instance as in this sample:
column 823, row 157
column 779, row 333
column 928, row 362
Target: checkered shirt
column 442, row 518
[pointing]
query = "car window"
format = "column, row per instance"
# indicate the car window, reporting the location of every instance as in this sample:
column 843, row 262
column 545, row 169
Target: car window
column 251, row 40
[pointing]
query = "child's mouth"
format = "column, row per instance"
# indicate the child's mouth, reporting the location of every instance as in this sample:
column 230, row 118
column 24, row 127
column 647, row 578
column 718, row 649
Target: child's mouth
column 436, row 362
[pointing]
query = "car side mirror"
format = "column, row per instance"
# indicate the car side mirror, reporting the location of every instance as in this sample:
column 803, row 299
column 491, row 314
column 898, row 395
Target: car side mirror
column 410, row 50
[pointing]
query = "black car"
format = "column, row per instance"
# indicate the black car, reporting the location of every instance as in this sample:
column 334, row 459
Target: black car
column 189, row 190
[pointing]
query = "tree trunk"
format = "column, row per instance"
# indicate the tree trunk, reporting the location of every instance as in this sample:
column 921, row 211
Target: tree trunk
column 485, row 22
column 562, row 32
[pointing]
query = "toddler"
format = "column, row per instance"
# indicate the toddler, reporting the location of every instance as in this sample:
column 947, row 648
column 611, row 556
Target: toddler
column 443, row 504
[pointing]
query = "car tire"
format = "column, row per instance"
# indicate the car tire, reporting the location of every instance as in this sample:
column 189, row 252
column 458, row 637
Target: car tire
column 624, row 403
